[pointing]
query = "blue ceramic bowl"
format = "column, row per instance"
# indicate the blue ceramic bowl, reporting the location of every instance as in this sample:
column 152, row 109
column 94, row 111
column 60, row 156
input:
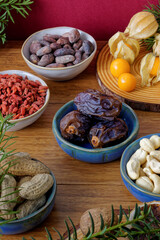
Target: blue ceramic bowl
column 31, row 221
column 138, row 192
column 85, row 152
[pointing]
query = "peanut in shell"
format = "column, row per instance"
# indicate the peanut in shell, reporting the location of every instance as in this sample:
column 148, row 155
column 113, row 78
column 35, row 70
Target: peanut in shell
column 22, row 165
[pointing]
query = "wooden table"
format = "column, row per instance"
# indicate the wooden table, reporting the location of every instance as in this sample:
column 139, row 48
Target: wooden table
column 80, row 185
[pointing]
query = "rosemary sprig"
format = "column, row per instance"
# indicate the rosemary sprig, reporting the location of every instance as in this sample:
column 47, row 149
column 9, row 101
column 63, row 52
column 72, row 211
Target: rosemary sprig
column 143, row 225
column 6, row 9
column 5, row 143
column 155, row 10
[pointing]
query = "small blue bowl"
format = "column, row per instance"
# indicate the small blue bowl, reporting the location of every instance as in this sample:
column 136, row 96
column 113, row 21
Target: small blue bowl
column 85, row 152
column 138, row 192
column 31, row 221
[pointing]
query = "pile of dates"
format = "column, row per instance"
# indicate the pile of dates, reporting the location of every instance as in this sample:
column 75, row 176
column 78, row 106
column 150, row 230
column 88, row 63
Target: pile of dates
column 95, row 120
column 65, row 50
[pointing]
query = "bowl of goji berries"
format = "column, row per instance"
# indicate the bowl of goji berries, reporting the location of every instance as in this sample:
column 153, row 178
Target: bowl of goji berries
column 22, row 95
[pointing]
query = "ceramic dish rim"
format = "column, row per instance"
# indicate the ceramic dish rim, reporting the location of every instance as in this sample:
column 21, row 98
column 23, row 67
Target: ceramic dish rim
column 124, row 173
column 107, row 149
column 60, row 68
column 46, row 99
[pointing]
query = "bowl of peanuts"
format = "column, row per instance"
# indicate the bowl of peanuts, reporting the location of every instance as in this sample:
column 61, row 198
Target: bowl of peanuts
column 23, row 95
column 28, row 192
column 59, row 53
column 140, row 168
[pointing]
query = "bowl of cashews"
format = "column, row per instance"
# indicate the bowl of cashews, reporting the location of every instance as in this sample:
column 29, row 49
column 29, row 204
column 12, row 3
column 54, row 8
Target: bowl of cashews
column 140, row 168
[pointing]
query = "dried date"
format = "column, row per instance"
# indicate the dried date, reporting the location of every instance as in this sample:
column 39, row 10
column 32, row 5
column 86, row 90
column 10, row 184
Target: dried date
column 75, row 126
column 96, row 104
column 108, row 132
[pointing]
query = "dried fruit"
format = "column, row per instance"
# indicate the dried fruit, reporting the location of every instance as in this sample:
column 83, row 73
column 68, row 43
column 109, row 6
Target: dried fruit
column 96, row 104
column 75, row 126
column 20, row 96
column 106, row 132
column 142, row 25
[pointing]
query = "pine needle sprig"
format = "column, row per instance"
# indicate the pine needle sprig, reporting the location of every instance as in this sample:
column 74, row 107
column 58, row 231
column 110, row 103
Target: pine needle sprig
column 6, row 141
column 155, row 10
column 6, row 8
column 143, row 225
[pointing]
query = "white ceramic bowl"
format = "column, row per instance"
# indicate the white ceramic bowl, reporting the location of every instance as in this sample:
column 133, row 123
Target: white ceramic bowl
column 26, row 121
column 57, row 74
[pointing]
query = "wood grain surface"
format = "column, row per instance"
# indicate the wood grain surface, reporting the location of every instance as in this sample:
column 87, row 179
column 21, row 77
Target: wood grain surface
column 80, row 185
column 146, row 98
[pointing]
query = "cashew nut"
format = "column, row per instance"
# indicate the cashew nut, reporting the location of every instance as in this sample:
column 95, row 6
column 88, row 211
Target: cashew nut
column 154, row 165
column 146, row 145
column 140, row 155
column 133, row 168
column 155, row 139
column 148, row 171
column 156, row 180
column 155, row 154
column 145, row 183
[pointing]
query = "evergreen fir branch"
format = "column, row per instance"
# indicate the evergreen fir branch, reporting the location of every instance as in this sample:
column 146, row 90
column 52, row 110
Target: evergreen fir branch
column 5, row 143
column 155, row 10
column 142, row 224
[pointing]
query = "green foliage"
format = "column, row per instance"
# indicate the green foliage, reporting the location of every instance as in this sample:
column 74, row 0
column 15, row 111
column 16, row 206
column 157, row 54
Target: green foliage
column 155, row 10
column 5, row 143
column 6, row 8
column 143, row 225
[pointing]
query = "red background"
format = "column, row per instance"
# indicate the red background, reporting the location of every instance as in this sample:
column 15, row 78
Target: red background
column 100, row 18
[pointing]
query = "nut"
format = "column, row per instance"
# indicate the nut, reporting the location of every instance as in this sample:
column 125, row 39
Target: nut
column 155, row 139
column 140, row 155
column 8, row 194
column 133, row 168
column 21, row 164
column 36, row 187
column 146, row 145
column 156, row 180
column 154, row 164
column 30, row 206
column 145, row 182
column 85, row 221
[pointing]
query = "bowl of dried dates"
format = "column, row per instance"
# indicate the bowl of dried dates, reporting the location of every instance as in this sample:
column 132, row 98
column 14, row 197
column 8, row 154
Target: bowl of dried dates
column 24, row 96
column 95, row 127
column 140, row 168
column 59, row 53
column 28, row 192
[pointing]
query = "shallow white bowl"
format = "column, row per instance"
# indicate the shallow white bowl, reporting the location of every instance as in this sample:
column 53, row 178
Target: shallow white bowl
column 26, row 121
column 57, row 74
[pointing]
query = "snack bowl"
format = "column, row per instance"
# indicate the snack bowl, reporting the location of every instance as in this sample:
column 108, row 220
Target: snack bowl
column 28, row 120
column 31, row 221
column 85, row 152
column 138, row 192
column 61, row 73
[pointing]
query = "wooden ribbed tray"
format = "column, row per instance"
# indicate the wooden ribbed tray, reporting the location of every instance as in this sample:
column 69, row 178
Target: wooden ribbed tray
column 147, row 98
